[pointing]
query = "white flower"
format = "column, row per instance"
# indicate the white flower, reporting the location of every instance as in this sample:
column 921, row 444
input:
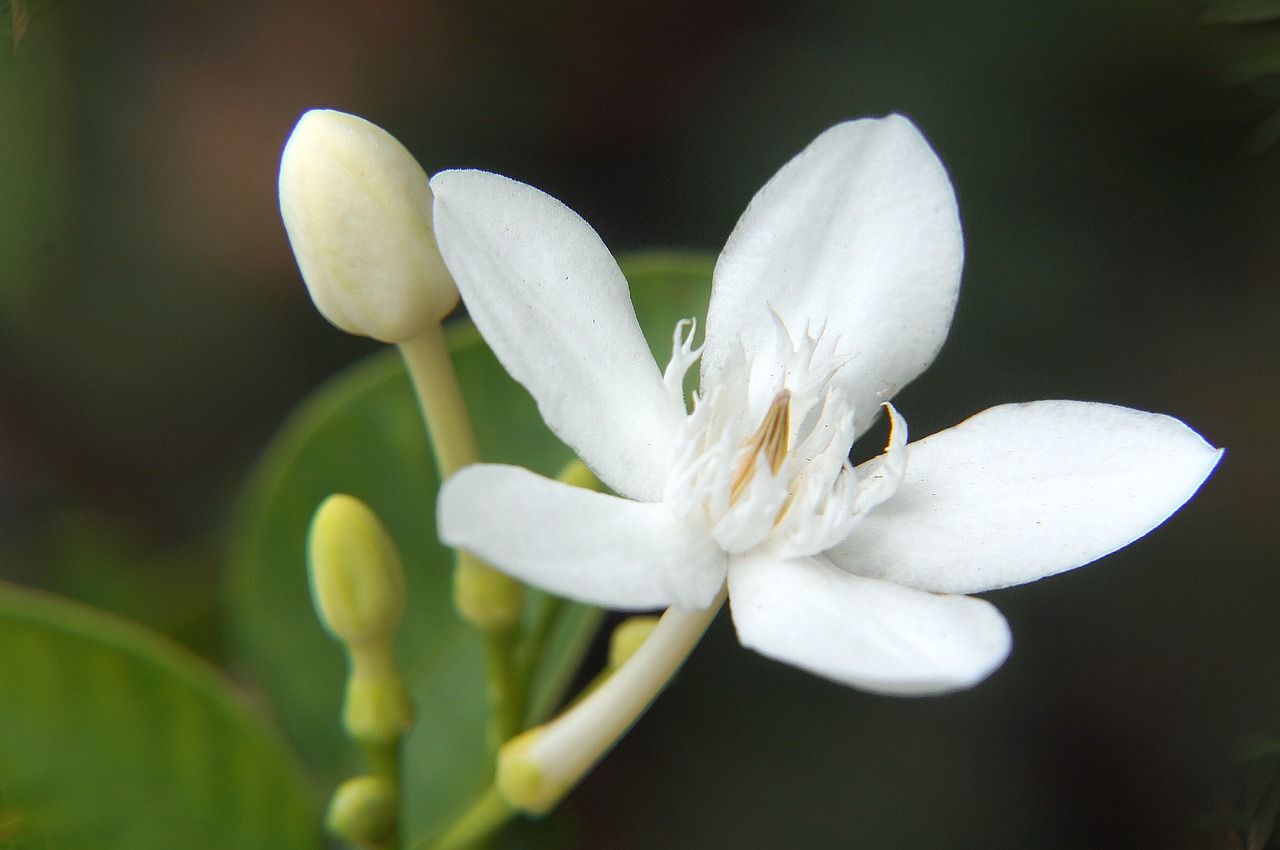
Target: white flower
column 835, row 290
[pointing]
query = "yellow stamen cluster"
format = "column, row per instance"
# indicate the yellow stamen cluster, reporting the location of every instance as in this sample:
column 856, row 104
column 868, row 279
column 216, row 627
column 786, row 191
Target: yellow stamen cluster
column 771, row 440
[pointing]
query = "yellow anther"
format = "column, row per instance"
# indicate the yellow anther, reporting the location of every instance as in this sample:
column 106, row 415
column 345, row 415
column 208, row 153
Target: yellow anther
column 771, row 439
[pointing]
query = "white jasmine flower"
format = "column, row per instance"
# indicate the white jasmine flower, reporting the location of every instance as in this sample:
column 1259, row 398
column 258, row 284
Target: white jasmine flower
column 835, row 289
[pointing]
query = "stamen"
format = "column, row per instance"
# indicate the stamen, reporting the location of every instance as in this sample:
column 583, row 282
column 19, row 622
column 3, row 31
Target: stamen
column 771, row 439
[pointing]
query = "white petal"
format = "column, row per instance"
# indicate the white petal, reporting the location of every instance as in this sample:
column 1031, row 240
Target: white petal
column 869, row 634
column 859, row 233
column 880, row 477
column 1024, row 491
column 553, row 305
column 576, row 543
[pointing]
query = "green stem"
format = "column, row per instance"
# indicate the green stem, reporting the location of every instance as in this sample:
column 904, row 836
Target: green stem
column 506, row 685
column 384, row 762
column 536, row 636
column 484, row 596
column 453, row 441
column 539, row 631
column 486, row 815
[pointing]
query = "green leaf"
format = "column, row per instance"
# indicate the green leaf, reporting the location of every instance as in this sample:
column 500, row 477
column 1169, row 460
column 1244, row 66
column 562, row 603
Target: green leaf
column 113, row 737
column 569, row 633
column 361, row 434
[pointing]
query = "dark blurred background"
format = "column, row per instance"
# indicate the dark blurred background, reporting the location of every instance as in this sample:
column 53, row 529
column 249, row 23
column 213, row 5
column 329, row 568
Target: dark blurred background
column 1123, row 246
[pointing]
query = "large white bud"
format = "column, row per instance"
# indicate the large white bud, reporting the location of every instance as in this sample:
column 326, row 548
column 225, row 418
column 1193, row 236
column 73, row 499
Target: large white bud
column 357, row 208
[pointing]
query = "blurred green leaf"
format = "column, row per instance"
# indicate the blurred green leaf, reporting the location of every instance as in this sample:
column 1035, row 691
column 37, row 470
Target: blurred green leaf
column 361, row 434
column 571, row 629
column 112, row 737
column 172, row 591
column 1243, row 12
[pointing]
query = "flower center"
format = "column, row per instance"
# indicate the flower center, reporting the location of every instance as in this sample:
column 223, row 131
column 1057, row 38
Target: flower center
column 787, row 482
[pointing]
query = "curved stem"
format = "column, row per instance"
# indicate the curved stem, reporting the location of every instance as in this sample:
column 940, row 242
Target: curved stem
column 537, row 634
column 536, row 769
column 486, row 815
column 506, row 685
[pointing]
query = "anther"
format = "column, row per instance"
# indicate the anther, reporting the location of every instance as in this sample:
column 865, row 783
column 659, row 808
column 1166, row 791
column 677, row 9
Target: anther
column 771, row 439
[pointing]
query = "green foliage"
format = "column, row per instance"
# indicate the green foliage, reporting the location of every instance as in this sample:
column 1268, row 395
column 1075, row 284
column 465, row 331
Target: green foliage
column 361, row 434
column 112, row 737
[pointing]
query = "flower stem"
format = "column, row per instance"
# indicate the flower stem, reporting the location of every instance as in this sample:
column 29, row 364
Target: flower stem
column 506, row 685
column 486, row 815
column 453, row 442
column 536, row 769
column 384, row 762
column 485, row 597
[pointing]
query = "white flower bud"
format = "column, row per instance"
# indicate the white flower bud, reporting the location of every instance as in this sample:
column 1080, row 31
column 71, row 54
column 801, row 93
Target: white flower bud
column 357, row 208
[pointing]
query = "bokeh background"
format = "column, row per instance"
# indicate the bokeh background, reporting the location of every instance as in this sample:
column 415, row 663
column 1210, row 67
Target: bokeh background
column 1123, row 246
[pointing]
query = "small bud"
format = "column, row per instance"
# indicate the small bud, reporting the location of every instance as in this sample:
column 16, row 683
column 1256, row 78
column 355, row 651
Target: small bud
column 576, row 473
column 364, row 811
column 484, row 597
column 357, row 581
column 629, row 636
column 357, row 584
column 357, row 208
column 492, row 600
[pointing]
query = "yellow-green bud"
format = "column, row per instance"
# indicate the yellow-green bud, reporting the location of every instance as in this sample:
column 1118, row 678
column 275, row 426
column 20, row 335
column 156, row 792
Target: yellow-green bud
column 364, row 811
column 357, row 208
column 357, row 584
column 629, row 636
column 357, row 581
column 484, row 597
column 576, row 473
